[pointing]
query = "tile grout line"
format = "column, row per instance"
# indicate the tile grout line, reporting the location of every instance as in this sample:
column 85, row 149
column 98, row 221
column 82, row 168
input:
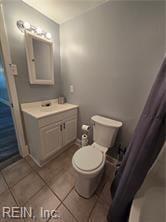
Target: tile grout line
column 93, row 207
column 47, row 182
column 44, row 182
column 70, row 212
column 61, row 201
column 65, row 204
column 97, row 200
column 67, row 207
column 9, row 189
column 19, row 179
column 34, row 194
column 55, row 209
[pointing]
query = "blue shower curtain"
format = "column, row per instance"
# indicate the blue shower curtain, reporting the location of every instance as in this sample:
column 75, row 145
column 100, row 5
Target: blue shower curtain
column 142, row 151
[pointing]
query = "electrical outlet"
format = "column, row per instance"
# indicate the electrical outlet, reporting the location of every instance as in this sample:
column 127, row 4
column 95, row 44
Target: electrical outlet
column 71, row 89
column 13, row 68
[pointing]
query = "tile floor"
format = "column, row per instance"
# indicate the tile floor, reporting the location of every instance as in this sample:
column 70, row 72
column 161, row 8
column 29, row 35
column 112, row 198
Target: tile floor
column 52, row 187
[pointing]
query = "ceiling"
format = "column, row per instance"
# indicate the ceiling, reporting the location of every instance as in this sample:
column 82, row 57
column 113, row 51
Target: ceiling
column 63, row 10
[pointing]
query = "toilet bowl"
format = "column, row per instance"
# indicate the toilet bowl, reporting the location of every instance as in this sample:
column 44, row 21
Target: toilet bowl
column 89, row 161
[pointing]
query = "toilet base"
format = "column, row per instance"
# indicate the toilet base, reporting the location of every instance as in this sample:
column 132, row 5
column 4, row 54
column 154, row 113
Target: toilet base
column 86, row 186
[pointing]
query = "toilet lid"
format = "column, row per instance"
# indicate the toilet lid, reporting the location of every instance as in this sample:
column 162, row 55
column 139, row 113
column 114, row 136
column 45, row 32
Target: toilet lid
column 88, row 158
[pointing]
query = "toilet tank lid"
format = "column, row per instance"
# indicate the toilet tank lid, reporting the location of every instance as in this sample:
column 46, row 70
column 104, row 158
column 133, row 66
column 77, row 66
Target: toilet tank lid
column 106, row 121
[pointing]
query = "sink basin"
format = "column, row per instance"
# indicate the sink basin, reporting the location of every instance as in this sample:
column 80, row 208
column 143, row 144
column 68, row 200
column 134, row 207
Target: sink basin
column 51, row 107
column 41, row 109
column 47, row 109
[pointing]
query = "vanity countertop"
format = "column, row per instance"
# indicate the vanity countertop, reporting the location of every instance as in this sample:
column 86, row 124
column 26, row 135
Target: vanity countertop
column 37, row 110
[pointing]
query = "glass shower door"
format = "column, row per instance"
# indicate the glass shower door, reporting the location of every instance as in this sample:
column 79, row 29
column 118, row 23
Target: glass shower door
column 8, row 139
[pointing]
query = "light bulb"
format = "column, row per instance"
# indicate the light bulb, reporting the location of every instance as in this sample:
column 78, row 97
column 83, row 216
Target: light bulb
column 39, row 30
column 48, row 35
column 27, row 25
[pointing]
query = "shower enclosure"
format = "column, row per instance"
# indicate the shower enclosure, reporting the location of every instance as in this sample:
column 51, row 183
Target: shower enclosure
column 8, row 140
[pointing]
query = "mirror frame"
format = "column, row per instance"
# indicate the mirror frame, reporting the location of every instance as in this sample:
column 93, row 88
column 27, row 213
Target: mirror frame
column 31, row 61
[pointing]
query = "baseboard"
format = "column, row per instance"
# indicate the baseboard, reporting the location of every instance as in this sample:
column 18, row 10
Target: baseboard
column 35, row 161
column 78, row 142
column 26, row 151
column 55, row 155
column 4, row 101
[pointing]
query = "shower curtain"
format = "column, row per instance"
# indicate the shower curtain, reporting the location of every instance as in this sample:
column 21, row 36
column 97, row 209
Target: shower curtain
column 145, row 145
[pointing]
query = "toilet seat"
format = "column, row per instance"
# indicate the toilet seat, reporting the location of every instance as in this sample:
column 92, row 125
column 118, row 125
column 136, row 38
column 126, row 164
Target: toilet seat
column 87, row 159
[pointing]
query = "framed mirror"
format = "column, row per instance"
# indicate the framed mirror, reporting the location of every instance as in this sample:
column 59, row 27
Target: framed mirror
column 39, row 52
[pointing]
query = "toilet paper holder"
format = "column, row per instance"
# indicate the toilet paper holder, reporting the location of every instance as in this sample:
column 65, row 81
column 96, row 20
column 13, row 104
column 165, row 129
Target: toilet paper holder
column 85, row 128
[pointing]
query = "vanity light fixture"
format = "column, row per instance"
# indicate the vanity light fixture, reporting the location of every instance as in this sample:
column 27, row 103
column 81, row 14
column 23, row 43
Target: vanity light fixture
column 26, row 26
column 48, row 35
column 39, row 31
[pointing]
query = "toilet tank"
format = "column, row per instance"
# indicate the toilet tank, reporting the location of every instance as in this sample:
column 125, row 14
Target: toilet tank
column 105, row 130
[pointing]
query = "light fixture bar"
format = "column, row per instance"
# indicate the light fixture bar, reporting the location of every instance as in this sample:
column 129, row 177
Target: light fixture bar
column 26, row 26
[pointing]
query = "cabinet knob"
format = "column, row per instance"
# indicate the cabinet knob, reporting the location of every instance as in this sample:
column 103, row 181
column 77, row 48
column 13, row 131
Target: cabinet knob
column 64, row 126
column 61, row 127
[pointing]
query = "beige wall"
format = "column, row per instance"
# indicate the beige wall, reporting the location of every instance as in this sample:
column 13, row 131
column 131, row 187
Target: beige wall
column 15, row 10
column 111, row 56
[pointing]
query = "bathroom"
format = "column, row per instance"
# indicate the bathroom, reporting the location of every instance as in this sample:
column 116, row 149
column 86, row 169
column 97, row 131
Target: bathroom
column 105, row 57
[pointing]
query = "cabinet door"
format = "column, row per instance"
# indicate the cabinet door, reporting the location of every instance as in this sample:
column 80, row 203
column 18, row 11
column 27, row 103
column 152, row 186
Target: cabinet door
column 51, row 137
column 69, row 131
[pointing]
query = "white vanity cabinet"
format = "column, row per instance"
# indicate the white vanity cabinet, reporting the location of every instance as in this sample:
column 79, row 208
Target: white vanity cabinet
column 57, row 135
column 51, row 134
column 69, row 131
column 51, row 139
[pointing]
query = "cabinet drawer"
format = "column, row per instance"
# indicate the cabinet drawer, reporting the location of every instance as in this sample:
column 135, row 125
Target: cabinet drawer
column 57, row 117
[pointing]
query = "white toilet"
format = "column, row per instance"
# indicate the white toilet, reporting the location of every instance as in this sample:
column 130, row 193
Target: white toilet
column 89, row 161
